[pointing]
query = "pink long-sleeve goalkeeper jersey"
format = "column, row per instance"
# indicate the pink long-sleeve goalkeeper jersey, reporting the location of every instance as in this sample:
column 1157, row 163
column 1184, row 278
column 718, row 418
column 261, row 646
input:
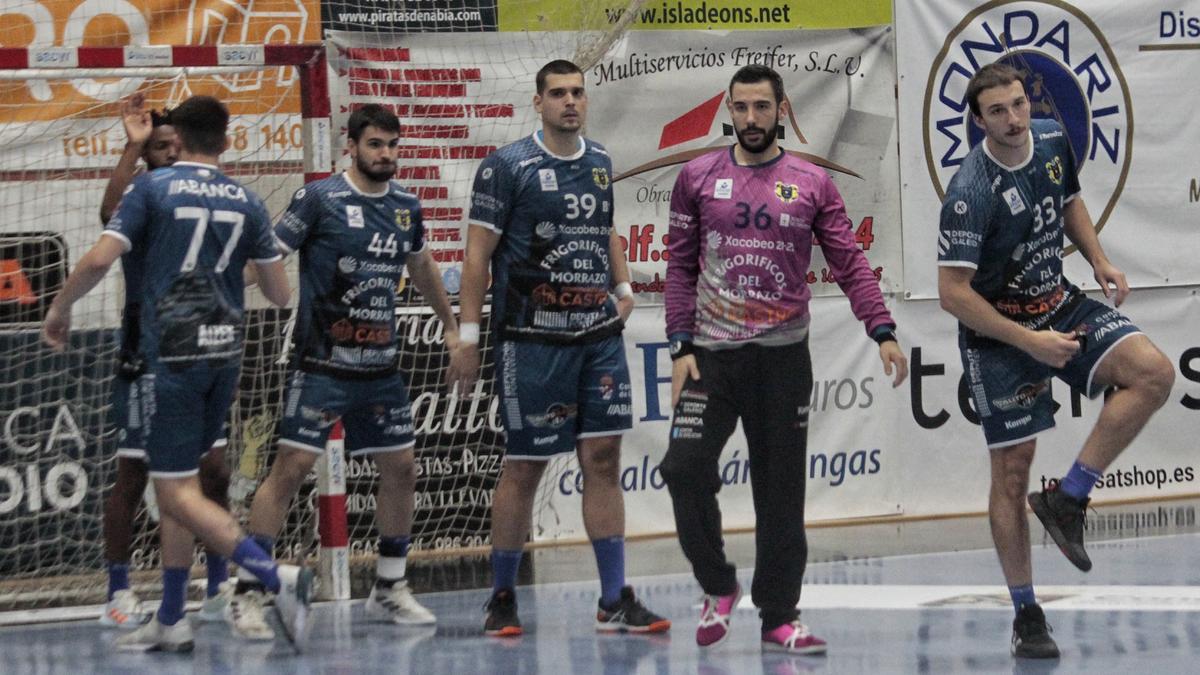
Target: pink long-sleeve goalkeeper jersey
column 741, row 242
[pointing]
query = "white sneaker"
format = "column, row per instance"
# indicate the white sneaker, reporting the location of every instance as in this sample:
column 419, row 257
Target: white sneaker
column 213, row 608
column 244, row 614
column 296, row 588
column 155, row 637
column 124, row 611
column 397, row 605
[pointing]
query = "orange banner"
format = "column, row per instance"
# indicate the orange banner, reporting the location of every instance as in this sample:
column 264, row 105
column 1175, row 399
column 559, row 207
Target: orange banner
column 112, row 23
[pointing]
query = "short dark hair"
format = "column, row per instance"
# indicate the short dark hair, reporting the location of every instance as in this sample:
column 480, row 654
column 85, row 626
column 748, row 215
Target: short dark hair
column 555, row 67
column 160, row 119
column 755, row 73
column 371, row 115
column 201, row 122
column 992, row 75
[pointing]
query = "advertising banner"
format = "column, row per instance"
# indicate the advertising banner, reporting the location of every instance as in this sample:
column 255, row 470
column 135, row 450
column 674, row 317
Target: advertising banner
column 1100, row 69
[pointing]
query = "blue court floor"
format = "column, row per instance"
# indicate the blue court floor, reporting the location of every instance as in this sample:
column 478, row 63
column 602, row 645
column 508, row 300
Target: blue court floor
column 883, row 608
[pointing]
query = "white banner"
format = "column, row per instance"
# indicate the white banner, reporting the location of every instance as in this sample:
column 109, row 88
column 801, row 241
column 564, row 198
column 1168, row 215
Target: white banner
column 1098, row 67
column 913, row 451
column 655, row 100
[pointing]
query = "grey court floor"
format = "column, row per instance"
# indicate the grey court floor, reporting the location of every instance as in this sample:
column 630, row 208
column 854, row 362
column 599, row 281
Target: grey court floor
column 891, row 598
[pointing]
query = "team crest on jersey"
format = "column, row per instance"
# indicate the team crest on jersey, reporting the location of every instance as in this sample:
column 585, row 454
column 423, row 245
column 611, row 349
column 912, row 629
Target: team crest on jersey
column 786, row 192
column 600, row 177
column 404, row 219
column 1047, row 41
column 1054, row 169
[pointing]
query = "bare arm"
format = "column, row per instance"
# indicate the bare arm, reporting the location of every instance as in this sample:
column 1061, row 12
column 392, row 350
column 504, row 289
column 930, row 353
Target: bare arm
column 481, row 243
column 959, row 299
column 88, row 272
column 1078, row 226
column 138, row 128
column 272, row 281
column 619, row 269
column 424, row 272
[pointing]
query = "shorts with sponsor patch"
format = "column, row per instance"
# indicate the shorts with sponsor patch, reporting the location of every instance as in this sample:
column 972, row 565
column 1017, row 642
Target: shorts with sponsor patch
column 375, row 413
column 551, row 395
column 127, row 413
column 184, row 413
column 1011, row 390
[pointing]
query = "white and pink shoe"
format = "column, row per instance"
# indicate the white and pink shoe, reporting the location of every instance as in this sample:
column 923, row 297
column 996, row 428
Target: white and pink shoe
column 793, row 638
column 714, row 617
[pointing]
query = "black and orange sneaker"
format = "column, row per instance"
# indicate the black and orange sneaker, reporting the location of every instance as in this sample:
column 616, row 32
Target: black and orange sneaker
column 1063, row 518
column 502, row 620
column 628, row 615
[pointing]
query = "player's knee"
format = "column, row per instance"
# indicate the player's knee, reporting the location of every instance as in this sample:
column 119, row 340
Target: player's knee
column 684, row 473
column 214, row 479
column 397, row 468
column 291, row 467
column 525, row 475
column 603, row 465
column 1157, row 376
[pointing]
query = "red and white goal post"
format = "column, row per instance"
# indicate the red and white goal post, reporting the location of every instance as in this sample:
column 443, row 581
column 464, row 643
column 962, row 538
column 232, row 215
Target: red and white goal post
column 60, row 136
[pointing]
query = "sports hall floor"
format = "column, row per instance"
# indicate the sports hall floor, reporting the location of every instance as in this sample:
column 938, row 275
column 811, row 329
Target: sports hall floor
column 890, row 598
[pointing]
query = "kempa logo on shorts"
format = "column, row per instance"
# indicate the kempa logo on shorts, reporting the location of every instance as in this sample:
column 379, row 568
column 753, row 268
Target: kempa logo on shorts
column 1070, row 73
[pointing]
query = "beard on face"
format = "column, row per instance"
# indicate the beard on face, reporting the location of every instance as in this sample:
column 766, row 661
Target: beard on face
column 375, row 173
column 765, row 140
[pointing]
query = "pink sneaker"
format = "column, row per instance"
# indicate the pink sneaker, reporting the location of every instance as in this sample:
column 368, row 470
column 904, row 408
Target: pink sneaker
column 714, row 617
column 793, row 638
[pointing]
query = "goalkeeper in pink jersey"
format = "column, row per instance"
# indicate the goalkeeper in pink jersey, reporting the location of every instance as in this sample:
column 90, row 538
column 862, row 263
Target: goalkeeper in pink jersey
column 742, row 228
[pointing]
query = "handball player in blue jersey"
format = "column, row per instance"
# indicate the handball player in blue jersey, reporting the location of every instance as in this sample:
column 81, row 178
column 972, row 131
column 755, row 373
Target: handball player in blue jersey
column 356, row 232
column 151, row 138
column 194, row 229
column 541, row 214
column 1022, row 323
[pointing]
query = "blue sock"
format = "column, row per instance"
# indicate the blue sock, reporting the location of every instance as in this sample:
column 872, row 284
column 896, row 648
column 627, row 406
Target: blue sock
column 118, row 578
column 175, row 581
column 266, row 542
column 1022, row 596
column 610, row 560
column 251, row 557
column 394, row 547
column 504, row 568
column 218, row 572
column 1079, row 481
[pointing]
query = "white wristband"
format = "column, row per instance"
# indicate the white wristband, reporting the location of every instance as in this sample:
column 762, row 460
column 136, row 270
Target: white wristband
column 468, row 333
column 623, row 290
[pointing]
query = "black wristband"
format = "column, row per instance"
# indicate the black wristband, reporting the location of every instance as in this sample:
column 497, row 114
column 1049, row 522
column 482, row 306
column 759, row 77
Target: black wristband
column 681, row 348
column 884, row 334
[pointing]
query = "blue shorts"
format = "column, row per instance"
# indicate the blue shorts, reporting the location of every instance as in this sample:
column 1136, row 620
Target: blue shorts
column 375, row 414
column 554, row 394
column 1011, row 389
column 183, row 414
column 127, row 413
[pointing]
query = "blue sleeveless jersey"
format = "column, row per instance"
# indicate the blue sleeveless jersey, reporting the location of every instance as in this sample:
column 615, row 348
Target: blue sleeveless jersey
column 352, row 246
column 190, row 230
column 550, row 271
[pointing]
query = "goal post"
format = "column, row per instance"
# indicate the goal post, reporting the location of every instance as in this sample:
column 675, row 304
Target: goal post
column 60, row 136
